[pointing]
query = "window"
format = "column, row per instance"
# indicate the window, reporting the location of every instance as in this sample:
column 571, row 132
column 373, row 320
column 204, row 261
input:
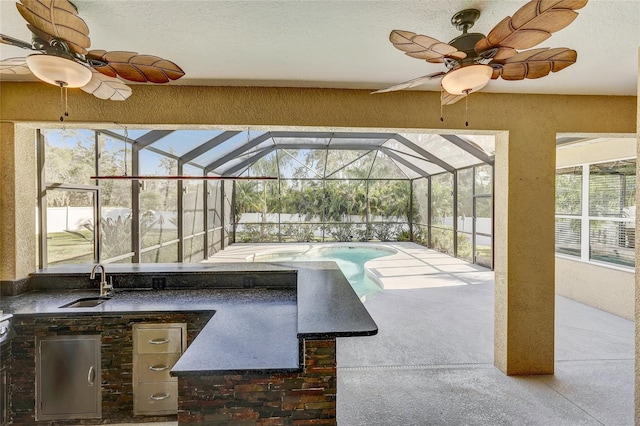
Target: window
column 69, row 199
column 433, row 222
column 193, row 215
column 442, row 212
column 119, row 220
column 465, row 213
column 612, row 210
column 329, row 187
column 214, row 216
column 569, row 210
column 158, row 213
column 115, row 200
column 595, row 219
column 70, row 232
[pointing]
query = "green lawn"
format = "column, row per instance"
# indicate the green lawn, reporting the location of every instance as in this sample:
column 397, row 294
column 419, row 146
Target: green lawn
column 65, row 247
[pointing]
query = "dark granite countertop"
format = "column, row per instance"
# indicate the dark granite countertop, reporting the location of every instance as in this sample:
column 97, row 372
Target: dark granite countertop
column 140, row 301
column 241, row 334
column 245, row 322
column 327, row 304
column 166, row 268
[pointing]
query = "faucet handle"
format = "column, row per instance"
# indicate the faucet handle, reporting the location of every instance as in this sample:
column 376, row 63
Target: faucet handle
column 106, row 289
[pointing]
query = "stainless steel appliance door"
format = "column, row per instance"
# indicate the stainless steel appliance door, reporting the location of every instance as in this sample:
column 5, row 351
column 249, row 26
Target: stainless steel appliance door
column 68, row 377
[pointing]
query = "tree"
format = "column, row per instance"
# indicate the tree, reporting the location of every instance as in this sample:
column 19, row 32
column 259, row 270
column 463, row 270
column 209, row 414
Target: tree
column 248, row 198
column 441, row 198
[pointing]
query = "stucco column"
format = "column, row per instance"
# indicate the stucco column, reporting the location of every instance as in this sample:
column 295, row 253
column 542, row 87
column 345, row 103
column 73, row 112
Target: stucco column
column 17, row 202
column 524, row 252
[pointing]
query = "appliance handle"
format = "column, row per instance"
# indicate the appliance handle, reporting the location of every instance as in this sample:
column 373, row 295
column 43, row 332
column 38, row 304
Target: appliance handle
column 158, row 367
column 91, row 376
column 159, row 396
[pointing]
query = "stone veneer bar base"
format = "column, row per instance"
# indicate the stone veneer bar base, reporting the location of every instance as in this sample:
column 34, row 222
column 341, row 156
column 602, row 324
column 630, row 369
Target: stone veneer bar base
column 117, row 360
column 307, row 397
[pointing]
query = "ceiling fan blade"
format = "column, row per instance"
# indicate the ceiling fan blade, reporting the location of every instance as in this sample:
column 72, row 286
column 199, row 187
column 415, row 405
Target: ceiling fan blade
column 536, row 63
column 134, row 67
column 105, row 87
column 5, row 39
column 531, row 24
column 447, row 98
column 424, row 47
column 411, row 83
column 14, row 66
column 502, row 53
column 56, row 19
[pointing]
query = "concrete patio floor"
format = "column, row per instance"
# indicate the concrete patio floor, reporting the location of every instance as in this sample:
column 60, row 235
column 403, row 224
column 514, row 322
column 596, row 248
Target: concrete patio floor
column 432, row 361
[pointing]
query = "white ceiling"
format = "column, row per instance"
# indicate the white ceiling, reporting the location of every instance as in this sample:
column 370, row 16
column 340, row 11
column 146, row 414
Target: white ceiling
column 340, row 43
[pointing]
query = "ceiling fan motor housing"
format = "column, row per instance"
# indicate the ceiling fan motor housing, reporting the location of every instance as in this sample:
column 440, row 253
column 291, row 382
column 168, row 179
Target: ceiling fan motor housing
column 465, row 19
column 466, row 43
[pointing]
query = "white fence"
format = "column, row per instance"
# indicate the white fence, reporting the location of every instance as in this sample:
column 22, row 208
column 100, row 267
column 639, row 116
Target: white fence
column 60, row 219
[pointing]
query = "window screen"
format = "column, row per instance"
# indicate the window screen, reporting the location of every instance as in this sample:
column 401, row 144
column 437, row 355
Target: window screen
column 612, row 188
column 569, row 191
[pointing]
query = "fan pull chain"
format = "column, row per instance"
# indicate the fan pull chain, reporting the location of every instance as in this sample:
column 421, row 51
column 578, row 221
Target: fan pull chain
column 466, row 107
column 126, row 136
column 63, row 99
column 66, row 101
column 441, row 106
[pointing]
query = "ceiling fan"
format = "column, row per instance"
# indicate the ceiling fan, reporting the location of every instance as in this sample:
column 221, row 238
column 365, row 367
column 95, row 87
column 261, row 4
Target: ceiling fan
column 473, row 59
column 60, row 42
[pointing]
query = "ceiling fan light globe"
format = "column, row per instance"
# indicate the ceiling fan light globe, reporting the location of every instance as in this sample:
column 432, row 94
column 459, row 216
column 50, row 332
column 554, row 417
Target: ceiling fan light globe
column 59, row 71
column 467, row 79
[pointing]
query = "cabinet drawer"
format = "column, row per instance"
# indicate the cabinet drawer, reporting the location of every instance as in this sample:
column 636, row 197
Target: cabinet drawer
column 159, row 340
column 155, row 367
column 157, row 398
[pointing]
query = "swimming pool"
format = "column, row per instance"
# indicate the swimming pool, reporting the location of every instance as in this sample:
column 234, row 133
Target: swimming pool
column 350, row 260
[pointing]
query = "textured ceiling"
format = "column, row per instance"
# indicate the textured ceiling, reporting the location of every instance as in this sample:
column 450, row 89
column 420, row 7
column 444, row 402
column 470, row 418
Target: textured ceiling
column 340, row 43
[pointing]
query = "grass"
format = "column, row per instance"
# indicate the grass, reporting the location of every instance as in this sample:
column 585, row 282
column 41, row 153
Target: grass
column 68, row 248
column 65, row 247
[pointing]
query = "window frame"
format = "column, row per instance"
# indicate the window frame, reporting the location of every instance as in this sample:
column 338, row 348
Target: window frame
column 586, row 218
column 137, row 251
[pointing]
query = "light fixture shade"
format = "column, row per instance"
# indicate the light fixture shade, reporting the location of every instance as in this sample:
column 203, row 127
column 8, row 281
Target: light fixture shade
column 467, row 79
column 56, row 70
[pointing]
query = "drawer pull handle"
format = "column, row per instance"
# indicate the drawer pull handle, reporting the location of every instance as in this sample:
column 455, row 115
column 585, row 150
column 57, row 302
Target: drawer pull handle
column 159, row 341
column 159, row 396
column 158, row 367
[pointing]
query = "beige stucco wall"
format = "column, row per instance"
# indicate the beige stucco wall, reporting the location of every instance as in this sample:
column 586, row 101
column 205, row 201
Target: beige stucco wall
column 526, row 126
column 606, row 288
column 17, row 201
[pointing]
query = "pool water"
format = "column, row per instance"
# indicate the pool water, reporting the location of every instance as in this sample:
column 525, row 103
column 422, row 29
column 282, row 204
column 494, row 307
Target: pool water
column 350, row 260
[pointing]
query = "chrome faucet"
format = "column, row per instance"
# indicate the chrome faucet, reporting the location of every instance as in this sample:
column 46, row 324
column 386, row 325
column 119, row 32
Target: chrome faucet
column 105, row 288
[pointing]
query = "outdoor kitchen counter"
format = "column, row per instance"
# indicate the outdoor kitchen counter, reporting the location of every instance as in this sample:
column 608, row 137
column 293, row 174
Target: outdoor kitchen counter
column 246, row 321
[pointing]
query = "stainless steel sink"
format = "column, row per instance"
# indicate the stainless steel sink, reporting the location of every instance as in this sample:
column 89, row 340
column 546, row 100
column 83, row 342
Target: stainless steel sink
column 87, row 302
